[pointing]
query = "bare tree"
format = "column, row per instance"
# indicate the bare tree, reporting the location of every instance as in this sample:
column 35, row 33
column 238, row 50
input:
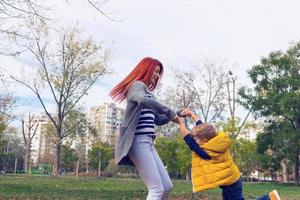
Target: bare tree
column 14, row 15
column 98, row 6
column 12, row 149
column 206, row 84
column 177, row 97
column 68, row 72
column 234, row 127
column 6, row 103
column 28, row 133
column 13, row 30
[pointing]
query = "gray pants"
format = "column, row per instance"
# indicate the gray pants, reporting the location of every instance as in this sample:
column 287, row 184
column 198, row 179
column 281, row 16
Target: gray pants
column 150, row 167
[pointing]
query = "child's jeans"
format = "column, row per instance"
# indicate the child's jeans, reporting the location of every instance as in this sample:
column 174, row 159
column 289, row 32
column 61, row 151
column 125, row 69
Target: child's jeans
column 233, row 191
column 265, row 197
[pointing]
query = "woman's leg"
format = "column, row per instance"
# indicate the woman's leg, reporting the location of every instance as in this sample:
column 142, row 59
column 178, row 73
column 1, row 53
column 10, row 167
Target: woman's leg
column 144, row 157
column 167, row 183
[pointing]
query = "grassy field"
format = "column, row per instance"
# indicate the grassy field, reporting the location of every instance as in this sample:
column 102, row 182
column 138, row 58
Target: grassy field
column 37, row 187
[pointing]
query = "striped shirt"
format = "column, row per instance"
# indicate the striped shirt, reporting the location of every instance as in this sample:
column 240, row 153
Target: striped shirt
column 145, row 125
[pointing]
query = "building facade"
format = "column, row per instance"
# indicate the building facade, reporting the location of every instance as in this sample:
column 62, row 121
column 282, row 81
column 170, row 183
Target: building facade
column 42, row 148
column 106, row 119
column 251, row 129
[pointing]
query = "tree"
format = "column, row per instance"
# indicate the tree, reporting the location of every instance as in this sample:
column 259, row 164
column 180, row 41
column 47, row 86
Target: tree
column 177, row 97
column 68, row 72
column 100, row 152
column 14, row 16
column 201, row 89
column 81, row 132
column 175, row 155
column 68, row 158
column 184, row 158
column 28, row 134
column 11, row 153
column 277, row 93
column 76, row 124
column 206, row 84
column 276, row 144
column 247, row 158
column 167, row 150
column 233, row 125
column 6, row 103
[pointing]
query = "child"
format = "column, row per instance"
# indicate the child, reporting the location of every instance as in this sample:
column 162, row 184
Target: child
column 212, row 164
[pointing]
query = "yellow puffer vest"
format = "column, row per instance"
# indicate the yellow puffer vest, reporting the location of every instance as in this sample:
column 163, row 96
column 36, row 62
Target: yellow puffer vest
column 220, row 170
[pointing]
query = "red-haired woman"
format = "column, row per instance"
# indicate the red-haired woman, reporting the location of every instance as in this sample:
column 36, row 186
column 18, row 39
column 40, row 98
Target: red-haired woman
column 137, row 134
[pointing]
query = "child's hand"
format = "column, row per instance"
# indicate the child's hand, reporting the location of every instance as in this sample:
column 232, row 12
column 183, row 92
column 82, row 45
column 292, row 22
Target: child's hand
column 180, row 121
column 186, row 112
column 183, row 130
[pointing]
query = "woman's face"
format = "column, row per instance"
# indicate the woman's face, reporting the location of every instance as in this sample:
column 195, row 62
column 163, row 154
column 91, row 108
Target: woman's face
column 155, row 75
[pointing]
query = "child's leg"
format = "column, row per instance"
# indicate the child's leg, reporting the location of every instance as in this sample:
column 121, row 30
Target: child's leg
column 233, row 191
column 271, row 196
column 265, row 197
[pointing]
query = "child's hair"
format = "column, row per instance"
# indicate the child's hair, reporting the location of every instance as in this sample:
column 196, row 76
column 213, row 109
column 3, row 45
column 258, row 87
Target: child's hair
column 204, row 131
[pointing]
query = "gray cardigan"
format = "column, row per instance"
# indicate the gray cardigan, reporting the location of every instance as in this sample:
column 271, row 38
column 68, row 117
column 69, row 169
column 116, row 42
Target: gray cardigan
column 136, row 100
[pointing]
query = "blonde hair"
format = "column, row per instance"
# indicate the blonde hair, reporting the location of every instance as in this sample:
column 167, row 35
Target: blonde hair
column 204, row 131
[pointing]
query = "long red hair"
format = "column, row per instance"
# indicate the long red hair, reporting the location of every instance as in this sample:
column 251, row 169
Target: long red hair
column 142, row 72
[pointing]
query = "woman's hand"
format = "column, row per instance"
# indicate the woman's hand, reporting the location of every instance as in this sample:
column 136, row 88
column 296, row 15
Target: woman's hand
column 176, row 120
column 186, row 112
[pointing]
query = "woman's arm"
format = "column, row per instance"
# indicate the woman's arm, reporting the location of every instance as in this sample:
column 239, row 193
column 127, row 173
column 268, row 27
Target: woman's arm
column 160, row 119
column 137, row 93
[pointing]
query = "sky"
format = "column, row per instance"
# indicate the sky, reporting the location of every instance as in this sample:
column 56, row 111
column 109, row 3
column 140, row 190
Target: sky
column 175, row 32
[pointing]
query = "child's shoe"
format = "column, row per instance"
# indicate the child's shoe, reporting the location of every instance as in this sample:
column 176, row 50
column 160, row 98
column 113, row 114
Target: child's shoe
column 274, row 195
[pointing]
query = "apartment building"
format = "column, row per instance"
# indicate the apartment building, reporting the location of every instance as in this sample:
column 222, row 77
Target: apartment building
column 251, row 129
column 42, row 148
column 106, row 119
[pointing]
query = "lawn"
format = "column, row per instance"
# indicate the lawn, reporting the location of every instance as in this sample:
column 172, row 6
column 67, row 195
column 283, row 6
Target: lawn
column 38, row 187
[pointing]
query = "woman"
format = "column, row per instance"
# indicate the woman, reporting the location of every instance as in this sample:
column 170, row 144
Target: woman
column 137, row 134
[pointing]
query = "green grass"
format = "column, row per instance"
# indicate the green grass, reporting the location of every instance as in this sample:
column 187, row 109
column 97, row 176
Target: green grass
column 37, row 187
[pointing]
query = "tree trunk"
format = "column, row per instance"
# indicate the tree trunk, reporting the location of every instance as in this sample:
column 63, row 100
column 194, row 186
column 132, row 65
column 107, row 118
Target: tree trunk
column 57, row 170
column 297, row 167
column 297, row 152
column 16, row 164
column 27, row 160
column 187, row 175
column 99, row 168
column 77, row 168
column 284, row 170
column 86, row 167
column 29, row 163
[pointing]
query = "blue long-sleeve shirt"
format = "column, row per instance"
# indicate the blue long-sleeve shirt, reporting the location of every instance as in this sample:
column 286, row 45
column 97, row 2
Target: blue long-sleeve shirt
column 189, row 140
